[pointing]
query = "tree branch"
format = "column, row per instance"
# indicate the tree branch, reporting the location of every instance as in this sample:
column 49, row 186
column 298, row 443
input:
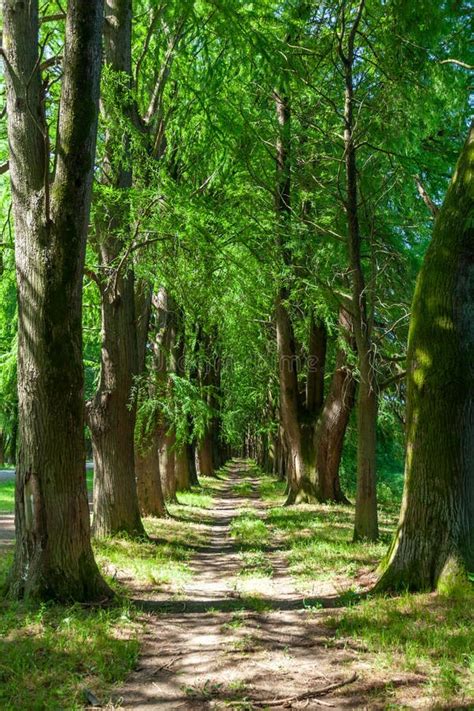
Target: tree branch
column 432, row 207
column 464, row 65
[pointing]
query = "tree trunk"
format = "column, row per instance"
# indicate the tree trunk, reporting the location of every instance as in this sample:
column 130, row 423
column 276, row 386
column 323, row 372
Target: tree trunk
column 205, row 451
column 435, row 536
column 53, row 555
column 366, row 525
column 193, row 477
column 300, row 453
column 316, row 367
column 331, row 430
column 166, row 453
column 150, row 494
column 366, row 520
column 181, row 464
column 111, row 415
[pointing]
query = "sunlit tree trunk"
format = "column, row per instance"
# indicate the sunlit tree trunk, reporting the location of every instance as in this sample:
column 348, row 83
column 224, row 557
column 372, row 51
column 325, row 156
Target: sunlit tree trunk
column 53, row 555
column 435, row 535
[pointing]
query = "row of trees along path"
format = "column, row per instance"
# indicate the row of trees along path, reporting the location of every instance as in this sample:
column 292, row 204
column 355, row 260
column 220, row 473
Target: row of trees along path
column 208, row 645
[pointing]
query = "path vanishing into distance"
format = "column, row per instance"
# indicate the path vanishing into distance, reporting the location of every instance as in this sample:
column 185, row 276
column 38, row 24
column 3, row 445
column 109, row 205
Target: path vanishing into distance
column 238, row 631
column 224, row 641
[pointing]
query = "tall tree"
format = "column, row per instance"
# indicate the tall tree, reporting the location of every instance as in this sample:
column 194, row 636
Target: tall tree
column 366, row 523
column 435, row 535
column 53, row 555
column 111, row 413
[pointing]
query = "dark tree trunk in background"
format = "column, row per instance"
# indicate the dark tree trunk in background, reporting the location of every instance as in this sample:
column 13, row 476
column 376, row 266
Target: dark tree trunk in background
column 334, row 419
column 193, row 477
column 111, row 414
column 147, row 466
column 166, row 453
column 53, row 555
column 165, row 363
column 435, row 538
column 205, row 455
column 366, row 523
column 182, row 464
column 316, row 367
column 147, row 469
column 182, row 469
column 331, row 430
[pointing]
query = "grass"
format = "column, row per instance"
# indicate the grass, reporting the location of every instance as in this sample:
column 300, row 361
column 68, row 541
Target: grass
column 242, row 488
column 427, row 634
column 51, row 656
column 249, row 531
column 7, row 496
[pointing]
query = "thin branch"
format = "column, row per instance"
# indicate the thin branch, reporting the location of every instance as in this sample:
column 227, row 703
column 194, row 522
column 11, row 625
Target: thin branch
column 4, row 168
column 307, row 694
column 52, row 18
column 464, row 65
column 432, row 207
column 394, row 379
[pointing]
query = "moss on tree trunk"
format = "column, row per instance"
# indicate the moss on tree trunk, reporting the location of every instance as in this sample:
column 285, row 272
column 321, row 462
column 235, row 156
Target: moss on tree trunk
column 435, row 535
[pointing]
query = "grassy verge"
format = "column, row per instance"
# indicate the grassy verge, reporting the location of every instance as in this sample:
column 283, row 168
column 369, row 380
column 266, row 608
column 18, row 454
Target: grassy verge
column 7, row 493
column 426, row 634
column 7, row 496
column 52, row 656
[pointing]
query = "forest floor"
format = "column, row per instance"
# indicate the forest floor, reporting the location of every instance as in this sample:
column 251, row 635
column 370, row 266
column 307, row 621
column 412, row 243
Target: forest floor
column 239, row 603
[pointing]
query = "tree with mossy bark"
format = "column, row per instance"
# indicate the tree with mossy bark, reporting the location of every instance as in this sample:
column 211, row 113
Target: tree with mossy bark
column 435, row 537
column 53, row 555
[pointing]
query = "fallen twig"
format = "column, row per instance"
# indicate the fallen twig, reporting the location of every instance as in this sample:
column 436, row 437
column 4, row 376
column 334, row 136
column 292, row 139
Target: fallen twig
column 288, row 701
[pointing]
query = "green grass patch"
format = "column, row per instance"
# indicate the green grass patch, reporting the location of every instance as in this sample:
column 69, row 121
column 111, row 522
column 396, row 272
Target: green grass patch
column 271, row 489
column 199, row 497
column 7, row 496
column 242, row 488
column 425, row 633
column 318, row 537
column 51, row 654
column 249, row 531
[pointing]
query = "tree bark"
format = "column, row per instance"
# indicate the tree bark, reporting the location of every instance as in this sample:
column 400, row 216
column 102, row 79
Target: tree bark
column 147, row 466
column 331, row 430
column 366, row 523
column 301, row 455
column 166, row 453
column 111, row 414
column 205, row 455
column 53, row 555
column 182, row 473
column 316, row 367
column 193, row 477
column 435, row 536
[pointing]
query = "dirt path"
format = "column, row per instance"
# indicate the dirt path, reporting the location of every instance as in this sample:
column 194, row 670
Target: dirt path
column 215, row 646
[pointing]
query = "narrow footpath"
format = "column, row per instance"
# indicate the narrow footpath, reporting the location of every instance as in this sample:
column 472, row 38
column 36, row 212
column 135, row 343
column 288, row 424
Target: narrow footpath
column 210, row 646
